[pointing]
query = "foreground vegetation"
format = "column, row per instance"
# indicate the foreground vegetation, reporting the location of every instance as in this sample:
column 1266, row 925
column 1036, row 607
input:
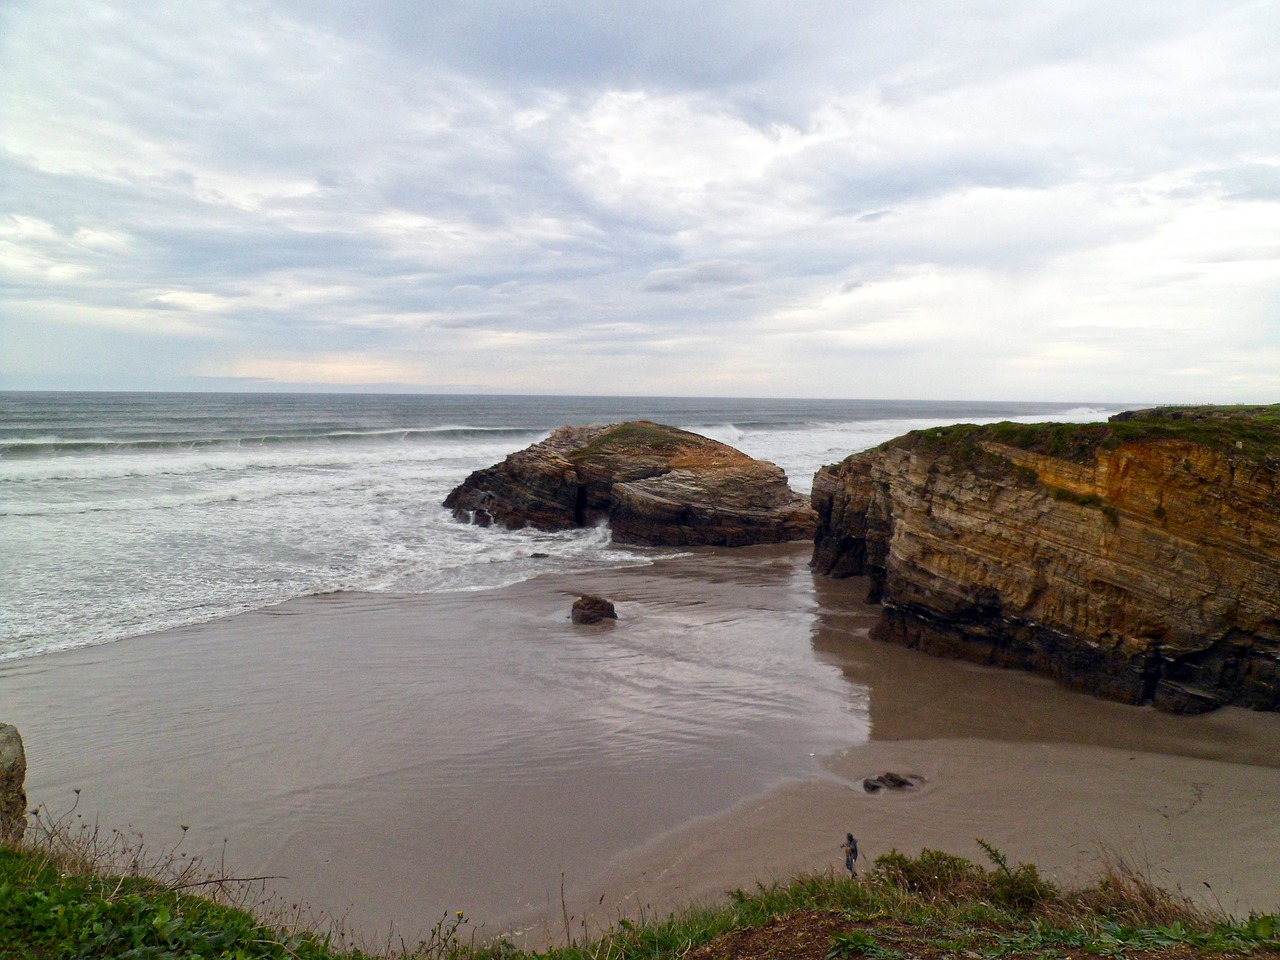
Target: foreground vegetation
column 59, row 899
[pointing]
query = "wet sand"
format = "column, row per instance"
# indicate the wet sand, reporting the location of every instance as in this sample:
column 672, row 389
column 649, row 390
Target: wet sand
column 1204, row 828
column 1049, row 776
column 397, row 757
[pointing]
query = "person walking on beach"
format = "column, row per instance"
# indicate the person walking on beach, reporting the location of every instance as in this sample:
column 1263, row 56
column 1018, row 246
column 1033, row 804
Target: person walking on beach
column 850, row 849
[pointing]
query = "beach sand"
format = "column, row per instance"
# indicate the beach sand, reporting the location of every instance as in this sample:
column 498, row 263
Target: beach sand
column 392, row 758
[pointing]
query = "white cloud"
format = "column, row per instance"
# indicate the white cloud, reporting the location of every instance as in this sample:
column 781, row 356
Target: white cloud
column 1004, row 199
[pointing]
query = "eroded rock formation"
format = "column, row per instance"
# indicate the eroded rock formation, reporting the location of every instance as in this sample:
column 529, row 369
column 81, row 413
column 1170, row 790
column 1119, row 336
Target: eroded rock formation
column 1138, row 559
column 13, row 775
column 655, row 485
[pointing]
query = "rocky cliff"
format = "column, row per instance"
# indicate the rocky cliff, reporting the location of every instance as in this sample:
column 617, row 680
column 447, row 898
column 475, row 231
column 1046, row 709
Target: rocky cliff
column 654, row 485
column 1137, row 559
column 13, row 774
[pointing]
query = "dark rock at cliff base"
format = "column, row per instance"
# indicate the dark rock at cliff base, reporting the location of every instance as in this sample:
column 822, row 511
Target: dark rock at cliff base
column 654, row 485
column 1172, row 697
column 589, row 609
column 1137, row 559
column 13, row 775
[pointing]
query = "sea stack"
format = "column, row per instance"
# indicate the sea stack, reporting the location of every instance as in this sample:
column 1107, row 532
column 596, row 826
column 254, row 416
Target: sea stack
column 654, row 485
column 1138, row 559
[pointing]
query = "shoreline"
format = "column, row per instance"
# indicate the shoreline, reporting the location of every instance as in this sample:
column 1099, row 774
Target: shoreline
column 292, row 732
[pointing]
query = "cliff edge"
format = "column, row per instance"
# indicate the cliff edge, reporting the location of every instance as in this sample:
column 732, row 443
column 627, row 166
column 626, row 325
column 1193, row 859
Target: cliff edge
column 1137, row 559
column 654, row 485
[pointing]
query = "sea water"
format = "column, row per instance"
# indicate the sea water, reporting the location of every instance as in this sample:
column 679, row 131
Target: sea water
column 128, row 514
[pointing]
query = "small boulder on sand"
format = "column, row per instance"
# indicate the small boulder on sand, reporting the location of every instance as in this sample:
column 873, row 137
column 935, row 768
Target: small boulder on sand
column 589, row 609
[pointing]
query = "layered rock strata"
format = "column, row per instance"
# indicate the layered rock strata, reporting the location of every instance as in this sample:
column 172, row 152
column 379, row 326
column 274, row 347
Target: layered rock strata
column 13, row 775
column 1138, row 560
column 654, row 485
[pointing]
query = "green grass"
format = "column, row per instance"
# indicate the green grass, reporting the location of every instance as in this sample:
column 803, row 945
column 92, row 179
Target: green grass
column 1247, row 432
column 58, row 901
column 958, row 449
column 47, row 912
column 638, row 434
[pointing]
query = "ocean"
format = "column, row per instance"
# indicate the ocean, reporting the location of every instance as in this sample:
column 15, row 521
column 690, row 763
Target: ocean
column 123, row 514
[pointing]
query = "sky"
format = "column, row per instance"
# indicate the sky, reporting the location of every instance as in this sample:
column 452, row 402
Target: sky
column 1075, row 201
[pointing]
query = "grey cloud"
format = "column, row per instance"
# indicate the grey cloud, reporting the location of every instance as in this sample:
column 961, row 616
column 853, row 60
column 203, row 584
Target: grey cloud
column 844, row 185
column 662, row 44
column 708, row 273
column 773, row 61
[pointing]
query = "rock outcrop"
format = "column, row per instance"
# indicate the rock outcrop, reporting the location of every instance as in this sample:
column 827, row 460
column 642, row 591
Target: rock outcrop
column 13, row 775
column 1138, row 560
column 655, row 485
column 588, row 609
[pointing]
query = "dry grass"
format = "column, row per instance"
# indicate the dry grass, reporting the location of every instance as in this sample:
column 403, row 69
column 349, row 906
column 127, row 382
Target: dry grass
column 74, row 844
column 1126, row 894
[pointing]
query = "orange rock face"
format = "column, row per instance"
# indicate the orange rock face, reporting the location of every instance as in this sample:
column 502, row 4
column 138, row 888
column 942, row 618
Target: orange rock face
column 1145, row 567
column 654, row 485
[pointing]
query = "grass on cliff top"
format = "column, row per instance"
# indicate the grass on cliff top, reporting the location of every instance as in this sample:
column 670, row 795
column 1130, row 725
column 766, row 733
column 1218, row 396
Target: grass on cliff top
column 57, row 900
column 640, row 435
column 1248, row 432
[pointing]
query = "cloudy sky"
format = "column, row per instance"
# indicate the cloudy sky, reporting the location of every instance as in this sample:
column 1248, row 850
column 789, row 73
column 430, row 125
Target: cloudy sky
column 998, row 199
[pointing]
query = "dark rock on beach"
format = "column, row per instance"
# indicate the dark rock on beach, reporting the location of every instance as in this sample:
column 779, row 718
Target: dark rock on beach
column 589, row 609
column 654, row 485
column 891, row 781
column 1137, row 559
column 13, row 775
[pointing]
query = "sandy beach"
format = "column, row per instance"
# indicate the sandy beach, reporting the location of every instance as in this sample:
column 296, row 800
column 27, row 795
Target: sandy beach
column 392, row 758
